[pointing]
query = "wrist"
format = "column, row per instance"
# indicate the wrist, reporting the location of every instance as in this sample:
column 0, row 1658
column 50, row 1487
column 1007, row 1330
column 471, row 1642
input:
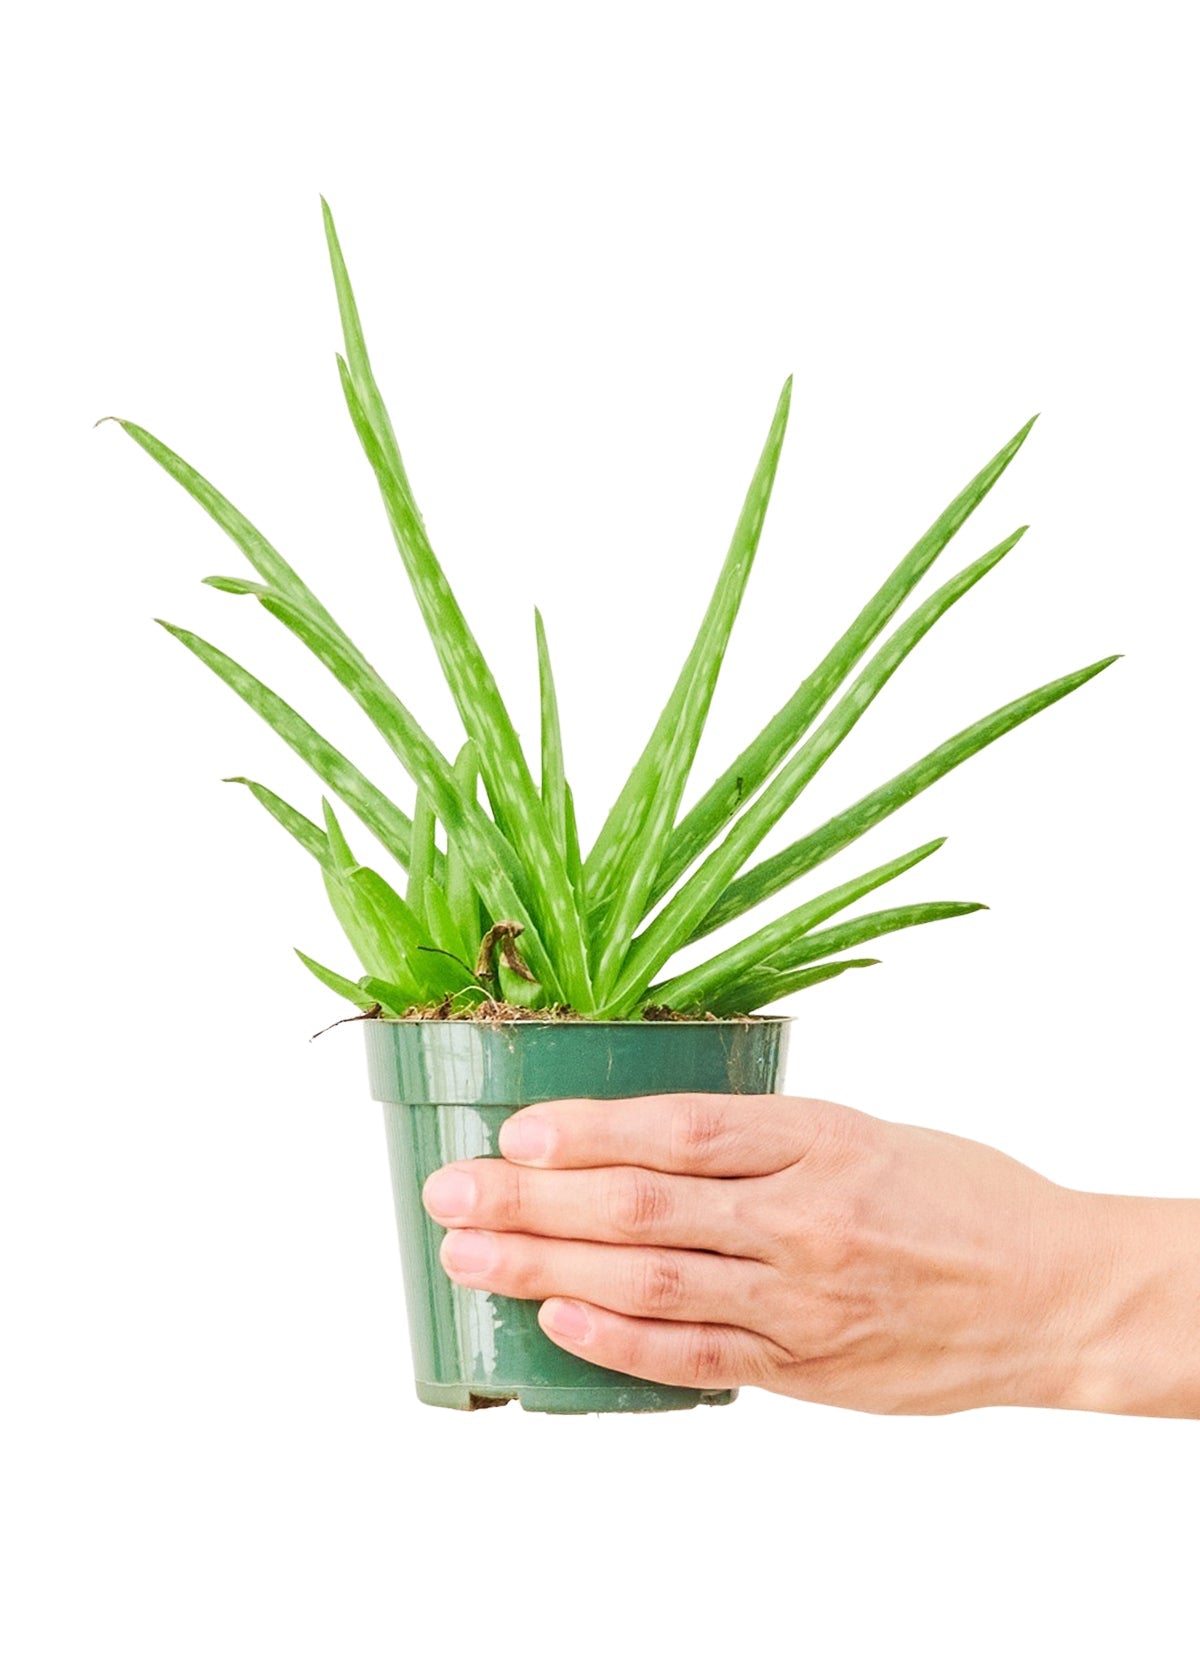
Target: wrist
column 1124, row 1323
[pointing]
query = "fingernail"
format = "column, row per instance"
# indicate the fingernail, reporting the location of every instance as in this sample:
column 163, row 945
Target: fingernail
column 525, row 1139
column 449, row 1193
column 566, row 1319
column 468, row 1251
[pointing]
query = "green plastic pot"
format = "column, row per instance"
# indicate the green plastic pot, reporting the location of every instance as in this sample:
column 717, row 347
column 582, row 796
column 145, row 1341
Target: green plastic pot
column 447, row 1087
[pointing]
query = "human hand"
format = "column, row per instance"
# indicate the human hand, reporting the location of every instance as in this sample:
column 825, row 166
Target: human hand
column 809, row 1249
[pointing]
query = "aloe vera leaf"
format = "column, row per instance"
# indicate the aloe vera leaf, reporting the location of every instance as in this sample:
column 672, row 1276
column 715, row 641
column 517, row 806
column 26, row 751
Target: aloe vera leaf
column 793, row 980
column 444, row 930
column 696, row 898
column 515, row 804
column 394, row 999
column 764, row 977
column 461, row 896
column 494, row 864
column 342, row 857
column 387, row 936
column 573, row 857
column 696, row 909
column 839, row 831
column 262, row 555
column 755, row 823
column 784, row 984
column 358, row 924
column 230, row 585
column 404, row 939
column 553, row 773
column 421, row 868
column 310, row 835
column 347, row 989
column 751, row 768
column 620, row 870
column 712, row 978
column 376, row 947
column 359, row 361
column 370, row 805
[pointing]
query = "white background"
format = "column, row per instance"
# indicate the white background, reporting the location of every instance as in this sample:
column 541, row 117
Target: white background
column 589, row 243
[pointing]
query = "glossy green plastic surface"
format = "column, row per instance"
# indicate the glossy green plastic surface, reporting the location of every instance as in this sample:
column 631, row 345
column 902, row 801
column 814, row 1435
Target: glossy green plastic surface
column 447, row 1087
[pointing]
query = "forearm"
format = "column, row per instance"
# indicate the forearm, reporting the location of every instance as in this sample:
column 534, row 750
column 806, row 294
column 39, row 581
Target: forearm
column 1135, row 1307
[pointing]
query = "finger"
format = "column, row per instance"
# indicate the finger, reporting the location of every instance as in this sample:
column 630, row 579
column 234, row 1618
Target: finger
column 603, row 1204
column 644, row 1282
column 684, row 1355
column 706, row 1135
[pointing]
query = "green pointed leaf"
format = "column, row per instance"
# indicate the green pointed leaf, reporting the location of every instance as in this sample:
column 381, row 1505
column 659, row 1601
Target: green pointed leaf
column 310, row 836
column 574, row 859
column 395, row 999
column 786, row 984
column 772, row 944
column 266, row 559
column 343, row 858
column 232, row 585
column 751, row 768
column 421, row 868
column 824, row 842
column 444, row 929
column 360, row 362
column 553, row 773
column 402, row 939
column 494, row 864
column 678, row 923
column 348, row 989
column 620, row 871
column 516, row 807
column 764, row 979
column 461, row 896
column 373, row 808
column 361, row 933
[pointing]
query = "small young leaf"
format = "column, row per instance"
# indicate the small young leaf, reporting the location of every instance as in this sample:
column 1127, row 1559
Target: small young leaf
column 344, row 859
column 421, row 868
column 348, row 989
column 394, row 999
column 461, row 897
column 444, row 929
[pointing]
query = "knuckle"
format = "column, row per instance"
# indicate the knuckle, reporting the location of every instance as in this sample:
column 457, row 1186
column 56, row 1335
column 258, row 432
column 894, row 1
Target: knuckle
column 512, row 1199
column 839, row 1135
column 707, row 1357
column 756, row 1212
column 697, row 1124
column 639, row 1203
column 521, row 1267
column 658, row 1284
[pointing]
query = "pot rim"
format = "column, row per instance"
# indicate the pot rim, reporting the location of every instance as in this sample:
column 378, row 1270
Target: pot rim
column 576, row 1021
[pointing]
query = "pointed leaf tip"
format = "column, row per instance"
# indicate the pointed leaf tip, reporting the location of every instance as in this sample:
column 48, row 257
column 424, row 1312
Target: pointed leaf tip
column 234, row 585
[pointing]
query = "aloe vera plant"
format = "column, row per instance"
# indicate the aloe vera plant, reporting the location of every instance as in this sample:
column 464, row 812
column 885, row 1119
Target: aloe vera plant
column 499, row 898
